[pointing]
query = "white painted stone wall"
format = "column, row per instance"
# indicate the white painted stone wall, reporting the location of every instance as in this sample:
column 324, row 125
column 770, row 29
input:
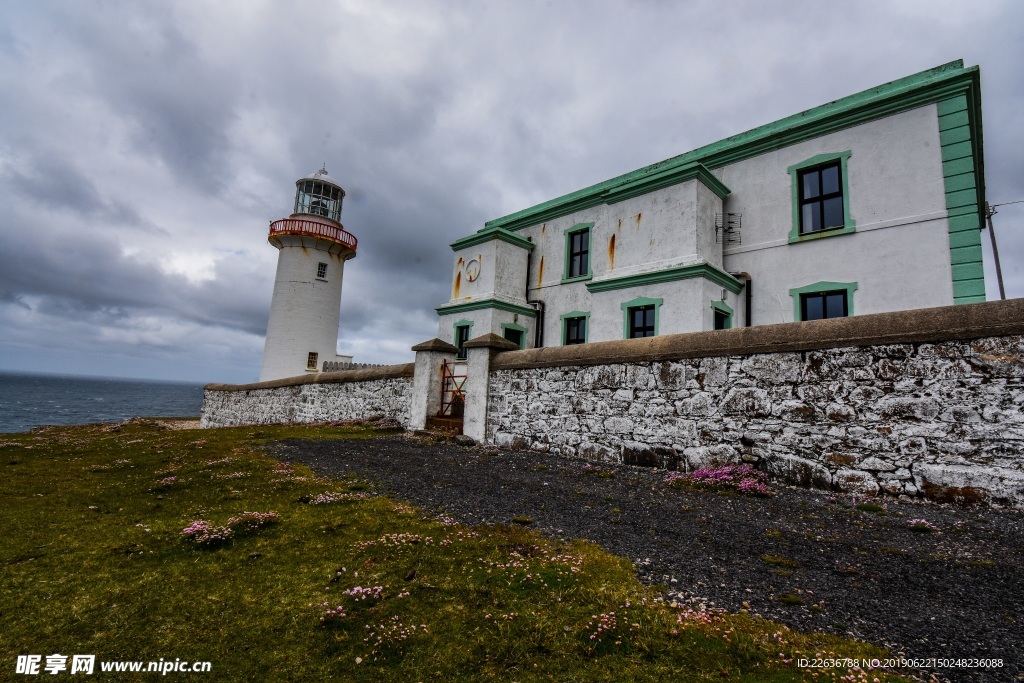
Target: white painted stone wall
column 941, row 419
column 306, row 403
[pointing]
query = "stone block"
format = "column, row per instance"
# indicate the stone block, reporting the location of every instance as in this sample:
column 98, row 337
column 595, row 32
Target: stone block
column 854, row 481
column 748, row 402
column 798, row 471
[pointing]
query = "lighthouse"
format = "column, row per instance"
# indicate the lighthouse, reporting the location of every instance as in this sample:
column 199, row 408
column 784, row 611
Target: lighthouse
column 302, row 333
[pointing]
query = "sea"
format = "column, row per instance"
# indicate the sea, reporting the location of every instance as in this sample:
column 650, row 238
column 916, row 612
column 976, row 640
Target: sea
column 28, row 400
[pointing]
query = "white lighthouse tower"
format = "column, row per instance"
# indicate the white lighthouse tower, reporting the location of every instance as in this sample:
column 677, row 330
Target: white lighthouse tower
column 302, row 333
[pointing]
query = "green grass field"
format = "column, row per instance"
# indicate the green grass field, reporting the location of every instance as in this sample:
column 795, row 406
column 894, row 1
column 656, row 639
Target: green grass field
column 94, row 561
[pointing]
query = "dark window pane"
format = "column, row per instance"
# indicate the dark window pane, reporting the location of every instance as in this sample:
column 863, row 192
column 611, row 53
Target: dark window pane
column 579, row 253
column 720, row 320
column 575, row 330
column 834, row 213
column 810, row 185
column 649, row 317
column 813, row 307
column 811, row 217
column 835, row 305
column 514, row 336
column 830, row 180
column 461, row 337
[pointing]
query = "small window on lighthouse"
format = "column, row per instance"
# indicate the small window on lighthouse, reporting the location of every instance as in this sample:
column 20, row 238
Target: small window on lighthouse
column 321, row 270
column 311, row 361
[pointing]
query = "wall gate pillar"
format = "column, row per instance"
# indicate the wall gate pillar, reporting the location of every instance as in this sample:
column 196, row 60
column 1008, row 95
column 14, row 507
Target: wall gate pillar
column 426, row 380
column 479, row 352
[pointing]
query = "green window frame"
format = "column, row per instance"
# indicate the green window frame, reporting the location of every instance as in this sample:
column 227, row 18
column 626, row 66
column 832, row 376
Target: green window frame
column 578, row 252
column 462, row 332
column 575, row 316
column 505, row 327
column 638, row 303
column 808, row 170
column 824, row 287
column 723, row 309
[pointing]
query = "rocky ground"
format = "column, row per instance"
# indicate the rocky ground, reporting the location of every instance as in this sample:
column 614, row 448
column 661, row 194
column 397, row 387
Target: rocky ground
column 811, row 560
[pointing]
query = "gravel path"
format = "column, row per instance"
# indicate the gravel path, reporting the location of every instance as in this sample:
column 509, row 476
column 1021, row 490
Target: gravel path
column 952, row 593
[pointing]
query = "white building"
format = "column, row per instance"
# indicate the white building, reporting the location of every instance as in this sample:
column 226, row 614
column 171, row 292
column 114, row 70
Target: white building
column 868, row 204
column 302, row 333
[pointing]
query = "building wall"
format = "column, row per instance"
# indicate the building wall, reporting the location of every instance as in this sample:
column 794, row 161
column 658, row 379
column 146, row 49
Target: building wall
column 899, row 254
column 913, row 184
column 304, row 311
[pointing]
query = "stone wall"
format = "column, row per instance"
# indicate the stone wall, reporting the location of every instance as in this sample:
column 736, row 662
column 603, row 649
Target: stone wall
column 346, row 395
column 928, row 403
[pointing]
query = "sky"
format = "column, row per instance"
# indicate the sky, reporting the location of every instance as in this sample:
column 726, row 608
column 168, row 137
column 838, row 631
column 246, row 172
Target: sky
column 145, row 146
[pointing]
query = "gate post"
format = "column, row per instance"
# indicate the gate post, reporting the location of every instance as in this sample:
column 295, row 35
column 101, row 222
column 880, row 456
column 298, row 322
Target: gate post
column 426, row 380
column 479, row 352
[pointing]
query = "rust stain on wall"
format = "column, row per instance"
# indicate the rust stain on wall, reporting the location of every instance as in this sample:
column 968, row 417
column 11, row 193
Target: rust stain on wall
column 638, row 217
column 458, row 284
column 543, row 228
column 611, row 253
column 540, row 272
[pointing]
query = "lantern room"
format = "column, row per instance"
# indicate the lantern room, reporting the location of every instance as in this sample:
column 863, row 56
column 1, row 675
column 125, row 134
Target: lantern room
column 318, row 194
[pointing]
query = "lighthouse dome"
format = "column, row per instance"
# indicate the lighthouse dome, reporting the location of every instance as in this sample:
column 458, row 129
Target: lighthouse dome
column 319, row 194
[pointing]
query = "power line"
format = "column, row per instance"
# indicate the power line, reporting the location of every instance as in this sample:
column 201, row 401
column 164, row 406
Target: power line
column 1019, row 201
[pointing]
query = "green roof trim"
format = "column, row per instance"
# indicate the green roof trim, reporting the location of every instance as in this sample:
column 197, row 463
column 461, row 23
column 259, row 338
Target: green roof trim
column 933, row 86
column 479, row 304
column 488, row 234
column 704, row 270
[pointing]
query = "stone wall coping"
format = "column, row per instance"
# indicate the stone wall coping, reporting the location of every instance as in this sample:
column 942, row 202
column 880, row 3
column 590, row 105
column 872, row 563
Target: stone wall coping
column 364, row 375
column 923, row 325
column 436, row 344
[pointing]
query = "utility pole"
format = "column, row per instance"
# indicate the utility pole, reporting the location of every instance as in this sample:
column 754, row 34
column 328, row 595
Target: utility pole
column 989, row 212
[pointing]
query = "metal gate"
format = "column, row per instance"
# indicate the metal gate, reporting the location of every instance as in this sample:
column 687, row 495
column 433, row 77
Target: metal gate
column 453, row 397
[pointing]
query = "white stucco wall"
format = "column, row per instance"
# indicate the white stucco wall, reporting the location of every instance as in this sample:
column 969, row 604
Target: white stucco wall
column 899, row 254
column 304, row 311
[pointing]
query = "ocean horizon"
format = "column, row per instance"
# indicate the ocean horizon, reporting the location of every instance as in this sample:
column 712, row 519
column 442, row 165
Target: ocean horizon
column 30, row 400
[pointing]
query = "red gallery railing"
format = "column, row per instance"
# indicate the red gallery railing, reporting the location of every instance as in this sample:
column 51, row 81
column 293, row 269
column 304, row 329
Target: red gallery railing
column 299, row 226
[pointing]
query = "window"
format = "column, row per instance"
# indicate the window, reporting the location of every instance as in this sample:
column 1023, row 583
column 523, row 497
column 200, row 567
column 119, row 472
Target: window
column 514, row 333
column 640, row 317
column 311, row 360
column 821, row 305
column 575, row 331
column 514, row 336
column 823, row 300
column 577, row 252
column 574, row 327
column 722, row 313
column 321, row 270
column 821, row 197
column 641, row 322
column 461, row 337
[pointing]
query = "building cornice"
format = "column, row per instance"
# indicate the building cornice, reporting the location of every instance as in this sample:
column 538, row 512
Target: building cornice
column 479, row 304
column 704, row 270
column 489, row 234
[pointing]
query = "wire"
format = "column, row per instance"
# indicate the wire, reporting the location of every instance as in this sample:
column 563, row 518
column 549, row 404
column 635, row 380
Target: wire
column 1019, row 201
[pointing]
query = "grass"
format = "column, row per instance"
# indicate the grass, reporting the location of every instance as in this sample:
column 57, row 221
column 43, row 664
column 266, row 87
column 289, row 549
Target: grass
column 340, row 584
